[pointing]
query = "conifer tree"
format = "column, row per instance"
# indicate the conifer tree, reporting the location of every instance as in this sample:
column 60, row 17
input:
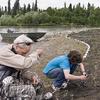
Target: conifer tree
column 35, row 6
column 28, row 8
column 16, row 7
column 9, row 7
column 24, row 9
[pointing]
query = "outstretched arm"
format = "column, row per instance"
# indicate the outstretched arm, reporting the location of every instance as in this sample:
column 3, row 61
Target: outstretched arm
column 73, row 77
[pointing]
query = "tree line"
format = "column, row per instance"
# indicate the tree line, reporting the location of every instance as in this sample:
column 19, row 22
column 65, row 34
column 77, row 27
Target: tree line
column 31, row 15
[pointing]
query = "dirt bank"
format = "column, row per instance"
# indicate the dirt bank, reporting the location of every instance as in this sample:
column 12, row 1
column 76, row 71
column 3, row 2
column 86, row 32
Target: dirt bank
column 55, row 46
column 92, row 62
column 89, row 89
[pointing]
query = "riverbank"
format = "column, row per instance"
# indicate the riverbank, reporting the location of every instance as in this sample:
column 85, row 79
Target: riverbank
column 53, row 46
column 92, row 63
column 77, row 90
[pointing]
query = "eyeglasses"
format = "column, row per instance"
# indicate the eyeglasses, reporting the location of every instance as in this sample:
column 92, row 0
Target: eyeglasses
column 24, row 45
column 28, row 44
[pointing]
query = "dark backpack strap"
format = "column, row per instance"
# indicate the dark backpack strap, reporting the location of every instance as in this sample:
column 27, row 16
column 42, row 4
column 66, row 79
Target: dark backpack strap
column 6, row 71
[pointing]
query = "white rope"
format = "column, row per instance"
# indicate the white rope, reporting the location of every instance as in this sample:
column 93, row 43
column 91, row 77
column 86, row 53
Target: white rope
column 0, row 38
column 88, row 46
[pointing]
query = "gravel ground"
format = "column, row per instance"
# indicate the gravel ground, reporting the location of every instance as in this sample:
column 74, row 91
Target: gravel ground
column 59, row 44
column 55, row 46
column 77, row 90
column 92, row 62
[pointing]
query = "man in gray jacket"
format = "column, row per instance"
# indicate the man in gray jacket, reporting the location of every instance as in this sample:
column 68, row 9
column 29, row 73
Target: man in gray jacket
column 19, row 56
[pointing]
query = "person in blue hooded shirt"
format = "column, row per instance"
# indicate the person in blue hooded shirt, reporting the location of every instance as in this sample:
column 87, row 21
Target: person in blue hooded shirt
column 61, row 68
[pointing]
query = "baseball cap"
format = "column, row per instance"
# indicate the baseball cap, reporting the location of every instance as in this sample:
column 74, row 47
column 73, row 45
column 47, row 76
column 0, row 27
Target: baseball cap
column 22, row 39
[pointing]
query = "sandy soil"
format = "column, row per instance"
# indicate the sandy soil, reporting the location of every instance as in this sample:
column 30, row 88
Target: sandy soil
column 53, row 47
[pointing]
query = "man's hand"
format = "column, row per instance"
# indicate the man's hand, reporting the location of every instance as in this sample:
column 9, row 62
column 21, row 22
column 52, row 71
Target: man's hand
column 39, row 51
column 35, row 80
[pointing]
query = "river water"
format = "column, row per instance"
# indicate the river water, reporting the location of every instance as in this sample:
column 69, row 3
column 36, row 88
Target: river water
column 34, row 29
column 48, row 29
column 38, row 29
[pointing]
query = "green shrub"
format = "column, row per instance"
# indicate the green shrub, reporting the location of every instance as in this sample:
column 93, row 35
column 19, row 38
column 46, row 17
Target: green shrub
column 6, row 20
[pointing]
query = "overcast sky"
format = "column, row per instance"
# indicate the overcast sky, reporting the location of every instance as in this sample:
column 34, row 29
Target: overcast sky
column 43, row 4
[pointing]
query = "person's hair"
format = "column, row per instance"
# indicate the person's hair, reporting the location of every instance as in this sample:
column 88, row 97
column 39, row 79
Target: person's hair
column 75, row 56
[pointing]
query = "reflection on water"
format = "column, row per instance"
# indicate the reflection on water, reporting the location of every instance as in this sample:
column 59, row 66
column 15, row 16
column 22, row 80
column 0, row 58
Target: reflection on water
column 34, row 29
column 47, row 29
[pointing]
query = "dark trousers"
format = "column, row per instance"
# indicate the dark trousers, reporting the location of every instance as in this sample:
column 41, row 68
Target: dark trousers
column 58, row 76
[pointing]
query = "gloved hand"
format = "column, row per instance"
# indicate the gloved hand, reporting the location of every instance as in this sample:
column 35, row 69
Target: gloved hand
column 8, row 80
